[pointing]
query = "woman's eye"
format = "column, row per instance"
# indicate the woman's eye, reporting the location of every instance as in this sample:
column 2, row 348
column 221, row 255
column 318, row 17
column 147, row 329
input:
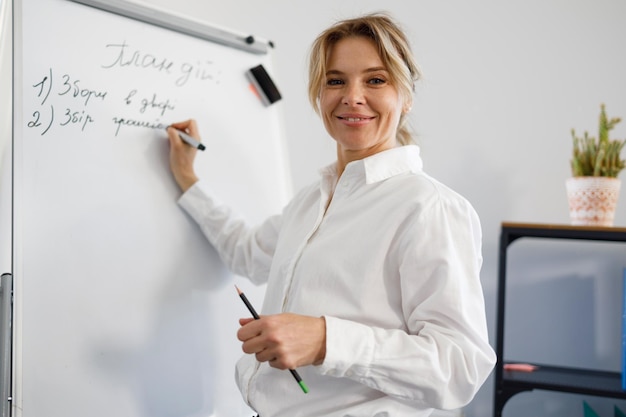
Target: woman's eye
column 334, row 81
column 377, row 81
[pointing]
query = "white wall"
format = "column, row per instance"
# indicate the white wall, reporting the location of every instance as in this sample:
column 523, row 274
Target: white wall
column 504, row 84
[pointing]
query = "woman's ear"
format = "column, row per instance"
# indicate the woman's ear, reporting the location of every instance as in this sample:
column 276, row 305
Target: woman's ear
column 408, row 104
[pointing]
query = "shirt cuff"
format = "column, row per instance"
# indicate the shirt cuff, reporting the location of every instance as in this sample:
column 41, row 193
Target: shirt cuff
column 196, row 201
column 349, row 349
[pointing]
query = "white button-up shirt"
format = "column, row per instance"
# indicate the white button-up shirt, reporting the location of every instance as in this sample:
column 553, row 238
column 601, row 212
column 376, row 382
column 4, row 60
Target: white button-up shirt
column 391, row 258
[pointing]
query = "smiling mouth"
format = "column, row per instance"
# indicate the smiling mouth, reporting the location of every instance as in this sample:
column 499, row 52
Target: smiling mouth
column 354, row 119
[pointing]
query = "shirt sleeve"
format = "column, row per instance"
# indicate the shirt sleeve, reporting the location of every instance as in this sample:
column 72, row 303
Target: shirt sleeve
column 443, row 356
column 245, row 250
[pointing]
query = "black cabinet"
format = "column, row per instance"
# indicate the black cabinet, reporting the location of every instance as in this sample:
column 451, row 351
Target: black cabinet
column 552, row 378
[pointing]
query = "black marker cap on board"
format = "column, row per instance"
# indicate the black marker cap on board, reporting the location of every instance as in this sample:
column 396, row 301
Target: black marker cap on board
column 264, row 85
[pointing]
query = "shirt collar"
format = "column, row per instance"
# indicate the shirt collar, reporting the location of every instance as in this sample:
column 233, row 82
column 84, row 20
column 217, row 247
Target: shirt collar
column 380, row 166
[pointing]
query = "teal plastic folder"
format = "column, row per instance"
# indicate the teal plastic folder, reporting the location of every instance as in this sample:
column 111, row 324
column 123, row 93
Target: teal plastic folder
column 588, row 411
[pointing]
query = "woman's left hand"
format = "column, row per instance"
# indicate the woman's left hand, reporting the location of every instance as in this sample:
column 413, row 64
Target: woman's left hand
column 286, row 341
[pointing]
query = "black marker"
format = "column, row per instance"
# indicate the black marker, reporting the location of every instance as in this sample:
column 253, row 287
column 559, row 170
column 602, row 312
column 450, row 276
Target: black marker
column 189, row 140
column 295, row 374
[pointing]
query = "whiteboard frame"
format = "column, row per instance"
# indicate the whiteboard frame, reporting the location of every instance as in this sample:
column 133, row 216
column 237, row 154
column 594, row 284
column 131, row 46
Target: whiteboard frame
column 182, row 24
column 152, row 16
column 16, row 254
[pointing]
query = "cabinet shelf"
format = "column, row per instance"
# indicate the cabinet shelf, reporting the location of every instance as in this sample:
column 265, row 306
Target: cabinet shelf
column 564, row 379
column 547, row 377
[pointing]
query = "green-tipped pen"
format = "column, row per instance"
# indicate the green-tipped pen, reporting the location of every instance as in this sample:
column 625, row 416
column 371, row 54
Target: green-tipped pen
column 295, row 374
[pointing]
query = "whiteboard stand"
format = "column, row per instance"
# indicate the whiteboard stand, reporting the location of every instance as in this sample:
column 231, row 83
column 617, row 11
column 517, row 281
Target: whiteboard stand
column 6, row 297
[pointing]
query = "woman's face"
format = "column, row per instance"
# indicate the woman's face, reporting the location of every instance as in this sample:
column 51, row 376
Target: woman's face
column 359, row 105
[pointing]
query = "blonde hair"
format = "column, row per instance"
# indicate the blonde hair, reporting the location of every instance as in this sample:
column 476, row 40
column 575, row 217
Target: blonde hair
column 393, row 48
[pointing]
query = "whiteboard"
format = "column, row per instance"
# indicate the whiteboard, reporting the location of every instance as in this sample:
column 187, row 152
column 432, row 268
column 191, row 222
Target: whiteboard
column 122, row 308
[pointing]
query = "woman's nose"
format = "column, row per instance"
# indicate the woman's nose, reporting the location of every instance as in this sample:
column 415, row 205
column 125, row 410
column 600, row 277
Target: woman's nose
column 354, row 95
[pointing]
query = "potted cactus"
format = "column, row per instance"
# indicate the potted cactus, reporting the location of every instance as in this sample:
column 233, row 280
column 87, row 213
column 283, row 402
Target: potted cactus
column 593, row 189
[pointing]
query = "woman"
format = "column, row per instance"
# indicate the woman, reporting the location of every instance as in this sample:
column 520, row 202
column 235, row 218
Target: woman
column 372, row 274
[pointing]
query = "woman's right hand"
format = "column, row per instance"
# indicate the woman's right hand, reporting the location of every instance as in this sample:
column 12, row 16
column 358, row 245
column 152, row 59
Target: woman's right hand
column 183, row 155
